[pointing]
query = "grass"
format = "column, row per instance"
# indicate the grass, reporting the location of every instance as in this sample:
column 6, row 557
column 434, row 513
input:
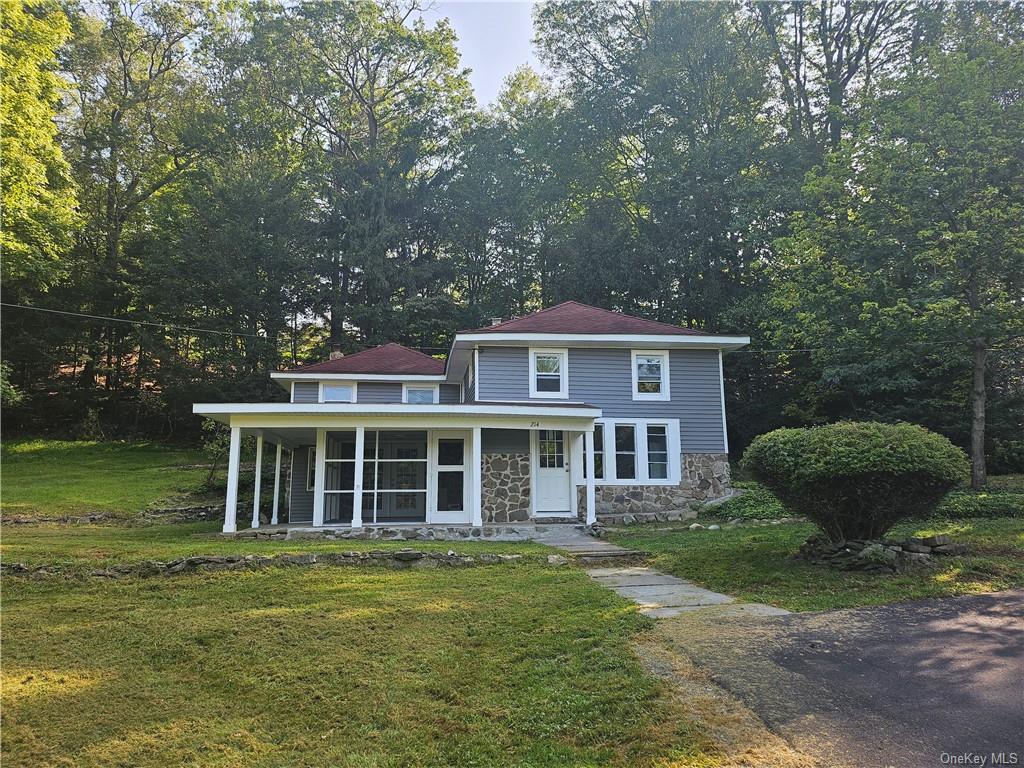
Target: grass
column 97, row 546
column 757, row 563
column 53, row 478
column 511, row 665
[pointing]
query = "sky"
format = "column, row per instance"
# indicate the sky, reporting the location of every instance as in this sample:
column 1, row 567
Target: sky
column 494, row 40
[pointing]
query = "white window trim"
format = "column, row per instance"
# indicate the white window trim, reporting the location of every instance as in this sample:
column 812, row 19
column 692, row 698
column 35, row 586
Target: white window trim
column 407, row 386
column 640, row 435
column 355, row 396
column 563, row 391
column 666, row 387
column 310, row 476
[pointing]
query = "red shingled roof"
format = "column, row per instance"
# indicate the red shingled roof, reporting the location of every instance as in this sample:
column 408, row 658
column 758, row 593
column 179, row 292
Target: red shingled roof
column 573, row 317
column 386, row 359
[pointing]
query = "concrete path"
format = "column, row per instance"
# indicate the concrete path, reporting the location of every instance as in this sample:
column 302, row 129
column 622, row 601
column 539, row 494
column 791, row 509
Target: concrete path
column 660, row 595
column 571, row 539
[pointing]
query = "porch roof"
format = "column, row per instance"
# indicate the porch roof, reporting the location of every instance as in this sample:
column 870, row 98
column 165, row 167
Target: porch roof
column 288, row 420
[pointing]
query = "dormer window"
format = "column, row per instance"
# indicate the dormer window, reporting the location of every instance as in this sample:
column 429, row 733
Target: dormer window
column 331, row 392
column 549, row 375
column 650, row 375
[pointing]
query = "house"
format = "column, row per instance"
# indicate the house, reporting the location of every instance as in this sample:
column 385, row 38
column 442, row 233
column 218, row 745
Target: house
column 570, row 412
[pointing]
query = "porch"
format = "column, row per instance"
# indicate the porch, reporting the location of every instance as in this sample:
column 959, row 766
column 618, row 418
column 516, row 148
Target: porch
column 354, row 467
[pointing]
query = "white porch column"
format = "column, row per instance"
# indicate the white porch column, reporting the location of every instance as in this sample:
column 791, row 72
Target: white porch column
column 319, row 470
column 588, row 441
column 357, row 496
column 277, row 485
column 231, row 498
column 476, row 484
column 257, row 482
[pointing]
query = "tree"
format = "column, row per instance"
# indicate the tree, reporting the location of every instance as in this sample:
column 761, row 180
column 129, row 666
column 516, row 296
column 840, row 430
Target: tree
column 913, row 248
column 378, row 104
column 38, row 194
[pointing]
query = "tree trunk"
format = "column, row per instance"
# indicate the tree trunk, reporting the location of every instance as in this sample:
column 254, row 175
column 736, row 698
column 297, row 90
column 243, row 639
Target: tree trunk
column 979, row 353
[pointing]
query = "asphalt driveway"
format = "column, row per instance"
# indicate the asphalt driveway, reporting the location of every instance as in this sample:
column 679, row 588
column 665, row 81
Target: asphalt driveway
column 914, row 685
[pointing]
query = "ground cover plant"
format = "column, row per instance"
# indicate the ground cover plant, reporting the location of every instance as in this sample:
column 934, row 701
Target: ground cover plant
column 758, row 563
column 53, row 478
column 520, row 664
column 855, row 480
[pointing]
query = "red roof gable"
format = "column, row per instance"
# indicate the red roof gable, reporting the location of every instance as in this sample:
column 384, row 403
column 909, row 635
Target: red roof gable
column 573, row 317
column 386, row 359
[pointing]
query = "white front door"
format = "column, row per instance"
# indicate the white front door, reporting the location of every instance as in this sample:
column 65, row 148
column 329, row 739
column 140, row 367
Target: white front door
column 450, row 495
column 553, row 484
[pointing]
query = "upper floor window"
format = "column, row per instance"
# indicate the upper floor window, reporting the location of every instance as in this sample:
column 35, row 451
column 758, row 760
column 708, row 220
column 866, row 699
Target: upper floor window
column 420, row 395
column 549, row 375
column 337, row 393
column 650, row 375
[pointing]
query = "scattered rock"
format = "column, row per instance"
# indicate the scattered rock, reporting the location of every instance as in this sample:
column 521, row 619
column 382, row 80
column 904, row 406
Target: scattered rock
column 936, row 541
column 714, row 527
column 556, row 560
column 696, row 527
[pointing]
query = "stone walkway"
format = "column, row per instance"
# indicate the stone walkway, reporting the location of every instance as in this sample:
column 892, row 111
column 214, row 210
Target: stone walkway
column 658, row 594
column 661, row 596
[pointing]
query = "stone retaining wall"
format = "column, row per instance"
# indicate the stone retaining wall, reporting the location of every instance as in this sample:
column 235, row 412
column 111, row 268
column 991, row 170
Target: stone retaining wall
column 505, row 487
column 402, row 558
column 705, row 476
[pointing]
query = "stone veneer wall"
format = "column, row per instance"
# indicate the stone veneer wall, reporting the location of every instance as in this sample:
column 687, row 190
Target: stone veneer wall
column 505, row 486
column 704, row 476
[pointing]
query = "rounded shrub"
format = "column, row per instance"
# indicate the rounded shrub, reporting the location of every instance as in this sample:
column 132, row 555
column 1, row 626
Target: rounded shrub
column 855, row 480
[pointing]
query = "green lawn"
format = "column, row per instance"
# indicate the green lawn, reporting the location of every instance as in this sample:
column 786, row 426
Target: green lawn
column 97, row 546
column 51, row 478
column 510, row 665
column 758, row 564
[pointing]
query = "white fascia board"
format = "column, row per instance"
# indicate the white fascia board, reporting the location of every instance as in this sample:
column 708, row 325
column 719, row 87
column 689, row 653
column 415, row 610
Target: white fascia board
column 313, row 376
column 653, row 341
column 390, row 409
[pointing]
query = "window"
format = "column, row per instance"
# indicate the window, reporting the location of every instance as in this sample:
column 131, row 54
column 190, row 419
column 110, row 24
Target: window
column 657, row 452
column 310, row 468
column 625, row 452
column 548, row 374
column 650, row 375
column 395, row 468
column 598, row 453
column 551, row 449
column 420, row 395
column 337, row 393
column 636, row 451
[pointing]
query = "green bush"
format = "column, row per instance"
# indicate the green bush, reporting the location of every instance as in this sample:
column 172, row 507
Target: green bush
column 855, row 480
column 960, row 505
column 755, row 503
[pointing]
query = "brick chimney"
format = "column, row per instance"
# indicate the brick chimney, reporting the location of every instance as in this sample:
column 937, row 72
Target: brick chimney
column 336, row 353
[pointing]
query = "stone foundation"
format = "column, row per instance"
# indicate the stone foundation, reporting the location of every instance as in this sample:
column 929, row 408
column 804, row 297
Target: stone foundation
column 705, row 476
column 505, row 487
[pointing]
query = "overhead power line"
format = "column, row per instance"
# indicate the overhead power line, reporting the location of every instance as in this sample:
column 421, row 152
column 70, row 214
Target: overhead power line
column 191, row 329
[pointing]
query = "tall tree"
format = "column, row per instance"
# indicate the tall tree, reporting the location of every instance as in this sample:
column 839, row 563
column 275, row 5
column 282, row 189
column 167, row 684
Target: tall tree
column 38, row 194
column 139, row 121
column 913, row 248
column 378, row 101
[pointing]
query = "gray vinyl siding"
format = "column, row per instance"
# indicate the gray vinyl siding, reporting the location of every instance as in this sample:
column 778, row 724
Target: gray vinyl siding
column 379, row 392
column 306, row 392
column 603, row 377
column 505, row 373
column 450, row 394
column 505, row 441
column 300, row 500
column 469, row 383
